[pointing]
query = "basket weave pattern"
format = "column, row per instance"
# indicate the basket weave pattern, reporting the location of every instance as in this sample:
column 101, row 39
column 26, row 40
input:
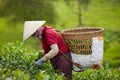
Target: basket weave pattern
column 79, row 40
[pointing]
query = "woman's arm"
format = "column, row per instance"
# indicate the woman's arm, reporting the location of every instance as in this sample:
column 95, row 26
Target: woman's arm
column 53, row 52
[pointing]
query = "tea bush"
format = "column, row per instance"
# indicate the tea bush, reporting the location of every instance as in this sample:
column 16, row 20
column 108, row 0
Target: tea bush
column 17, row 63
column 101, row 74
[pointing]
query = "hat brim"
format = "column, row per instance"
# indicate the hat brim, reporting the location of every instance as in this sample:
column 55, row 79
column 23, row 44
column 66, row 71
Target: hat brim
column 31, row 27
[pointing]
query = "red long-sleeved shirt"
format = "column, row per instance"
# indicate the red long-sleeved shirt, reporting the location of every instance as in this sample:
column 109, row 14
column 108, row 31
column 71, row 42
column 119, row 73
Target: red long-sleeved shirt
column 49, row 37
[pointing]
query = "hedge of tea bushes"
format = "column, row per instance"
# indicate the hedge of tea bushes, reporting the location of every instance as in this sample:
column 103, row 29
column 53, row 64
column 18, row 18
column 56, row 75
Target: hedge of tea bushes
column 17, row 63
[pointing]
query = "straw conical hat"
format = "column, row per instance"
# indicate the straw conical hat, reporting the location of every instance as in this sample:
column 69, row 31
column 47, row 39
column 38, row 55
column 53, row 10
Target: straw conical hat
column 30, row 27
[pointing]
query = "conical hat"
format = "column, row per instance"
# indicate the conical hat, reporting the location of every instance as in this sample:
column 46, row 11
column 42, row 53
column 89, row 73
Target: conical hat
column 30, row 27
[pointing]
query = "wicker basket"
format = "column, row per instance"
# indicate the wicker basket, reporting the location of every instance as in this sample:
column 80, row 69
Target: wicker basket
column 80, row 40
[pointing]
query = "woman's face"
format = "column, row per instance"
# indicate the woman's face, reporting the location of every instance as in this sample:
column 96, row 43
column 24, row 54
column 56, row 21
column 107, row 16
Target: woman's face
column 34, row 34
column 37, row 33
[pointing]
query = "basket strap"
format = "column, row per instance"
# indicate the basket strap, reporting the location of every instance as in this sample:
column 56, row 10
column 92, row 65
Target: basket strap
column 70, row 60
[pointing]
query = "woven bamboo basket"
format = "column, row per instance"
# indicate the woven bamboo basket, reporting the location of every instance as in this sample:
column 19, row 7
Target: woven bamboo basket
column 79, row 40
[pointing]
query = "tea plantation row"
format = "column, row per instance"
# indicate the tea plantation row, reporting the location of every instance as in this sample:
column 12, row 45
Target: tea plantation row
column 17, row 63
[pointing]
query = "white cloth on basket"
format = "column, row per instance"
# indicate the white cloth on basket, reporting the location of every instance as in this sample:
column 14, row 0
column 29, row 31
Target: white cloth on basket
column 87, row 61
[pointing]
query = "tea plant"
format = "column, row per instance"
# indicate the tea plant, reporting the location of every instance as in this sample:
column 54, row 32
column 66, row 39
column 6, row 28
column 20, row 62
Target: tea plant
column 17, row 60
column 17, row 63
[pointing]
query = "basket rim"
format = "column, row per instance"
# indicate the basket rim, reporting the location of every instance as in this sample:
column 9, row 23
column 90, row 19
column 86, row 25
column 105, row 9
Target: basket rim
column 83, row 28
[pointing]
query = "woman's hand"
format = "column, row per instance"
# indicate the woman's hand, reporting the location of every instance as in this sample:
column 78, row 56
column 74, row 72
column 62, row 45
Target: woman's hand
column 39, row 63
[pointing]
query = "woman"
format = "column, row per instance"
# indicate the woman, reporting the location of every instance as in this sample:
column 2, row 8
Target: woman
column 53, row 45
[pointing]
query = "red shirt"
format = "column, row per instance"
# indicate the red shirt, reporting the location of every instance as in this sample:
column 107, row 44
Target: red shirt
column 49, row 37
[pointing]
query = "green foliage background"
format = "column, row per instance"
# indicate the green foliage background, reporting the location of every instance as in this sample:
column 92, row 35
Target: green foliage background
column 60, row 14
